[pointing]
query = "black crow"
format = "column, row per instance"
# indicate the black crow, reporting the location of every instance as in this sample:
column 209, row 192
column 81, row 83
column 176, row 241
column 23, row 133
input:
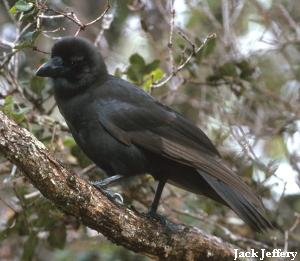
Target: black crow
column 126, row 132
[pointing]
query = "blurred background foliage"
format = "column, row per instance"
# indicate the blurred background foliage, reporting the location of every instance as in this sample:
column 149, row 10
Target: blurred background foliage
column 242, row 89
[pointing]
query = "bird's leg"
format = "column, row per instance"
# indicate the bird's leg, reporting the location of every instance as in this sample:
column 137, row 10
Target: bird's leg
column 101, row 184
column 107, row 181
column 155, row 203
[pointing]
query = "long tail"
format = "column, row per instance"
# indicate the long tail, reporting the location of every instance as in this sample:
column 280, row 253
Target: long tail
column 248, row 211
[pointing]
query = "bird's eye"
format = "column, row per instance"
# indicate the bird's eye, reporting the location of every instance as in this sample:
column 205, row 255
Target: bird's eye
column 76, row 60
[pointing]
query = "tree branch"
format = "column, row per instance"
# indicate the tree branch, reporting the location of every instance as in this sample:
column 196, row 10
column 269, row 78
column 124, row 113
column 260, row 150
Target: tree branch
column 121, row 225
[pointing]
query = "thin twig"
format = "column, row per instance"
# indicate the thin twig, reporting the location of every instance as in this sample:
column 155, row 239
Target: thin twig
column 6, row 5
column 108, row 6
column 170, row 43
column 71, row 16
column 290, row 230
column 8, row 205
column 32, row 195
column 206, row 9
column 87, row 169
column 292, row 23
column 237, row 11
column 187, row 39
column 183, row 64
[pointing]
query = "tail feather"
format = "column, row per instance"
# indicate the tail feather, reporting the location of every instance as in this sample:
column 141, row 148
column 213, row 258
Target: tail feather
column 252, row 214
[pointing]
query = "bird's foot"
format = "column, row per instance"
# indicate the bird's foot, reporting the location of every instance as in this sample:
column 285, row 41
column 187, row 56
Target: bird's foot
column 154, row 215
column 107, row 181
column 100, row 184
column 110, row 194
column 117, row 197
column 163, row 221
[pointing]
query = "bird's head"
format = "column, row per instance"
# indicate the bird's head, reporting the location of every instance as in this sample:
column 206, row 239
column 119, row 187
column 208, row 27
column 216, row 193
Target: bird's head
column 74, row 62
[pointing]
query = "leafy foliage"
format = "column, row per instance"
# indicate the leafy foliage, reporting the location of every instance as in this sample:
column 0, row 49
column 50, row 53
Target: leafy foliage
column 143, row 74
column 21, row 6
column 13, row 110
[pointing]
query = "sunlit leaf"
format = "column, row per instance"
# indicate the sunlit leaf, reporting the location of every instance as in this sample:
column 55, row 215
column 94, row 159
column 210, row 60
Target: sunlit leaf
column 153, row 77
column 150, row 67
column 69, row 142
column 13, row 10
column 9, row 108
column 21, row 6
column 276, row 147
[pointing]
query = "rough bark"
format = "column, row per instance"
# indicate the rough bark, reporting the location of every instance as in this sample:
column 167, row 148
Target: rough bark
column 122, row 226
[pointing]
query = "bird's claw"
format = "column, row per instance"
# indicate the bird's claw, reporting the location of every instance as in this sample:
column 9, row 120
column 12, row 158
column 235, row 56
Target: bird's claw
column 115, row 196
column 118, row 198
column 153, row 215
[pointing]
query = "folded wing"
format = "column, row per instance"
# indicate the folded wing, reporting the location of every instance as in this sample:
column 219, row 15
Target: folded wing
column 155, row 127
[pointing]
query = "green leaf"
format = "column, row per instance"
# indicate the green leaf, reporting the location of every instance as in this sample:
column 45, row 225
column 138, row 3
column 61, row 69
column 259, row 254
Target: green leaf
column 13, row 10
column 248, row 171
column 228, row 69
column 147, row 85
column 246, row 69
column 4, row 234
column 143, row 74
column 30, row 16
column 157, row 74
column 37, row 85
column 207, row 49
column 18, row 115
column 136, row 68
column 8, row 102
column 118, row 73
column 8, row 107
column 276, row 147
column 213, row 78
column 69, row 142
column 293, row 201
column 57, row 236
column 151, row 66
column 137, row 59
column 22, row 224
column 23, row 6
column 29, row 247
column 133, row 74
column 153, row 77
column 27, row 40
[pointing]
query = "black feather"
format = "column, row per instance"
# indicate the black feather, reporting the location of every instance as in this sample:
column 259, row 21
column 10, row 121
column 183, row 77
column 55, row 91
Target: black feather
column 127, row 132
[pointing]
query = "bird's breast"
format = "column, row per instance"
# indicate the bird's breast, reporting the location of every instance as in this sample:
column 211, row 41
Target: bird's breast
column 107, row 152
column 100, row 146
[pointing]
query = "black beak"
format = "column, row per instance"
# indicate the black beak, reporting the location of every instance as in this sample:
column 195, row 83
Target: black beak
column 52, row 68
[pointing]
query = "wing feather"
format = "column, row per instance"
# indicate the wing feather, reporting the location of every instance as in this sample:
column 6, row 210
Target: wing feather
column 213, row 166
column 137, row 119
